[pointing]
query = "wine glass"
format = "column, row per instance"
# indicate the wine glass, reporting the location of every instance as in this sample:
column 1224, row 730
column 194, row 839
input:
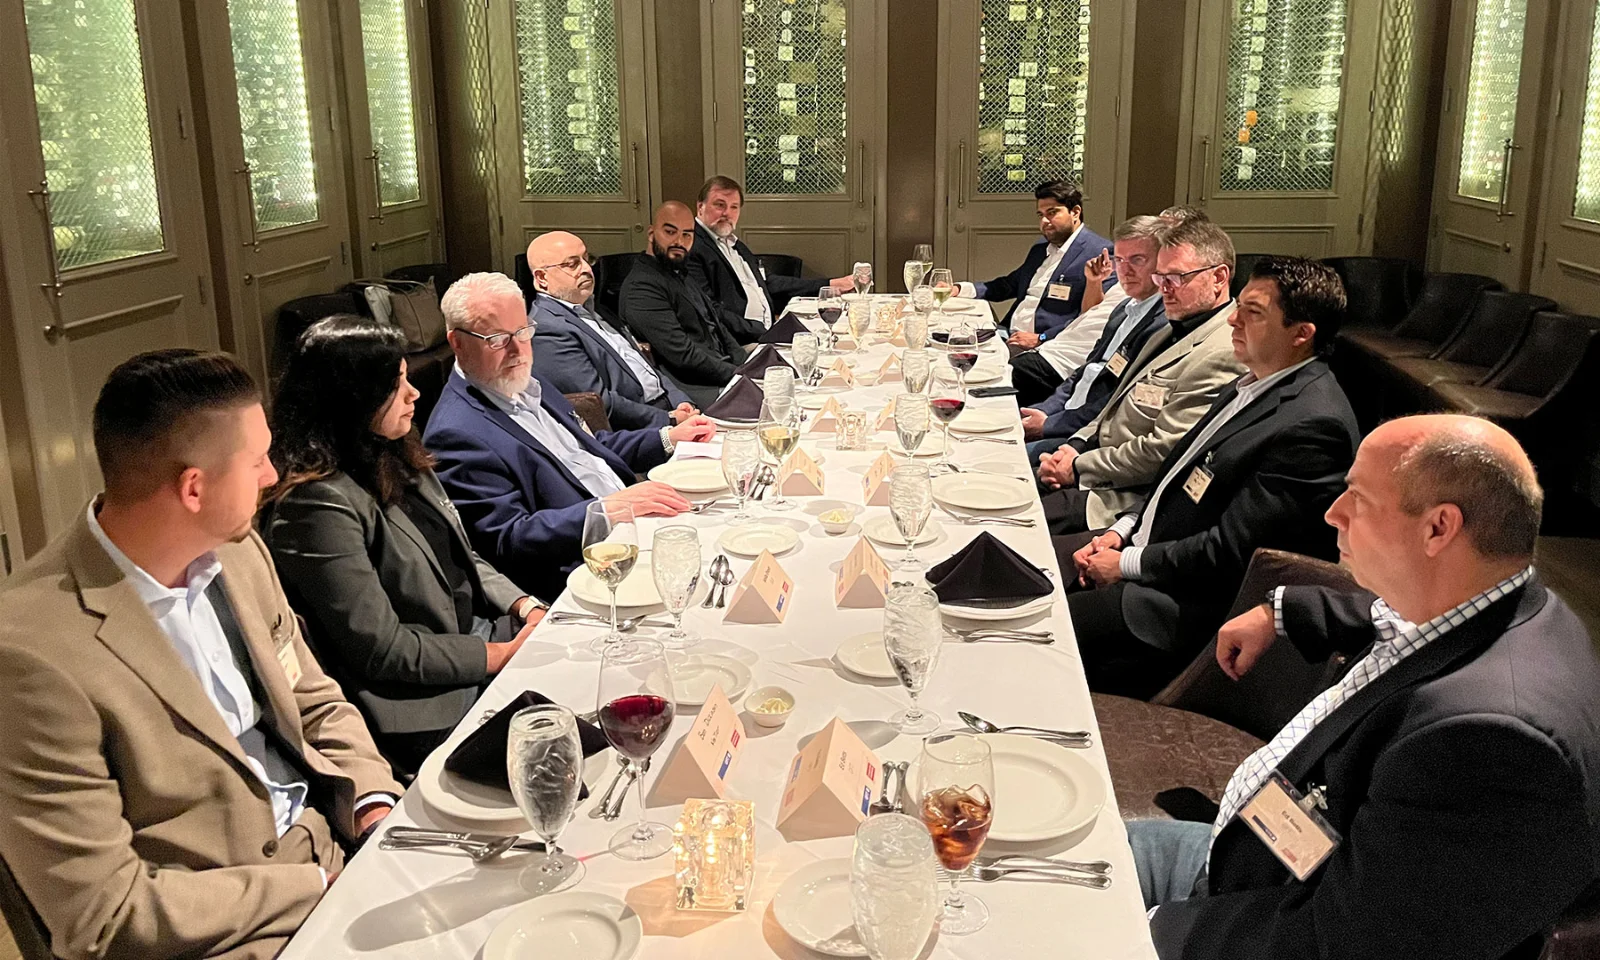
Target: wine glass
column 544, row 763
column 894, row 897
column 779, row 432
column 610, row 550
column 924, row 253
column 915, row 325
column 921, row 301
column 955, row 788
column 913, row 635
column 910, row 503
column 912, row 273
column 915, row 367
column 946, row 406
column 741, row 461
column 963, row 355
column 910, row 421
column 804, row 353
column 675, row 565
column 636, row 711
column 777, row 383
column 861, row 278
column 944, row 287
column 860, row 317
column 830, row 309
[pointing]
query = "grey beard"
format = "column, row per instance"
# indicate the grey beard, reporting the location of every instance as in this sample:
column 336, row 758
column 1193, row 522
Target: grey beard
column 511, row 385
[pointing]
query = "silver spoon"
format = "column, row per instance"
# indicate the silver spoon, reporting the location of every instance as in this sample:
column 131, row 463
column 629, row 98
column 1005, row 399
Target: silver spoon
column 983, row 726
column 714, row 578
column 478, row 852
column 725, row 580
column 599, row 809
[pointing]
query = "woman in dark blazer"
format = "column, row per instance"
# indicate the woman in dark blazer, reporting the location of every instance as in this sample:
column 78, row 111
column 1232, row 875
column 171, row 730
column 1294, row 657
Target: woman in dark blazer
column 402, row 612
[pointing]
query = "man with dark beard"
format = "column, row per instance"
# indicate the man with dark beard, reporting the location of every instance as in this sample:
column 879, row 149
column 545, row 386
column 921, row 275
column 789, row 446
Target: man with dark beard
column 675, row 316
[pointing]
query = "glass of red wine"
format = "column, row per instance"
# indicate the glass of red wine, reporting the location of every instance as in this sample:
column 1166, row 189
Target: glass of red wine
column 962, row 353
column 830, row 310
column 636, row 711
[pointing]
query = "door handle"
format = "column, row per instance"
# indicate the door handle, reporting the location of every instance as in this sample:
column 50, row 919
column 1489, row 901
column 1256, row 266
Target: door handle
column 250, row 204
column 377, row 187
column 961, row 174
column 55, row 285
column 861, row 173
column 1205, row 165
column 1509, row 150
column 633, row 172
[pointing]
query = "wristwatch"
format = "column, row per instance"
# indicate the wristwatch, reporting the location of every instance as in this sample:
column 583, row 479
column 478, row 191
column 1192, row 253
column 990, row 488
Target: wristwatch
column 525, row 607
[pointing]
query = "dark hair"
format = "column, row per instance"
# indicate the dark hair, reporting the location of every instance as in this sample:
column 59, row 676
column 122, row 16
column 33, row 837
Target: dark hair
column 1210, row 242
column 145, row 416
column 341, row 375
column 1501, row 503
column 1309, row 292
column 1064, row 192
column 719, row 182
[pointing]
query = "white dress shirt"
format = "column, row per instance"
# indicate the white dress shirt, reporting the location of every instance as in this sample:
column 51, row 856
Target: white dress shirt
column 1022, row 316
column 527, row 410
column 1066, row 351
column 625, row 348
column 1132, row 319
column 756, row 306
column 1250, row 390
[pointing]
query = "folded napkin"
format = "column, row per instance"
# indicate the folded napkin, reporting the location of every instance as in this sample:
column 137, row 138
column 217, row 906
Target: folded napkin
column 763, row 359
column 741, row 401
column 942, row 336
column 784, row 329
column 987, row 573
column 481, row 757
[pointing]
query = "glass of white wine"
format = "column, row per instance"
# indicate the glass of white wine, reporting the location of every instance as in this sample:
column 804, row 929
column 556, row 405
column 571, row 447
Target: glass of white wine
column 610, row 550
column 779, row 433
column 913, row 272
column 944, row 287
column 924, row 253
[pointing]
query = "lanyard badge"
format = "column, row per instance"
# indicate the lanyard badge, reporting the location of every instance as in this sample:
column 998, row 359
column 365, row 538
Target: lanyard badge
column 1291, row 825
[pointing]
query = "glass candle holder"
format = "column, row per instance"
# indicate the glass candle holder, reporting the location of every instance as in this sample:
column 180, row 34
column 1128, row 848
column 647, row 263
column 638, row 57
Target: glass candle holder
column 853, row 430
column 884, row 315
column 715, row 846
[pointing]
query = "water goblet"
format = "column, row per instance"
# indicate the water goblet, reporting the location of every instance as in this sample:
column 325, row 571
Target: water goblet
column 913, row 635
column 675, row 565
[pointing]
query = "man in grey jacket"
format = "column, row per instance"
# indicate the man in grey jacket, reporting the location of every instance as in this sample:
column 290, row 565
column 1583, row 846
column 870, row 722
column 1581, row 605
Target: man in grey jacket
column 1108, row 465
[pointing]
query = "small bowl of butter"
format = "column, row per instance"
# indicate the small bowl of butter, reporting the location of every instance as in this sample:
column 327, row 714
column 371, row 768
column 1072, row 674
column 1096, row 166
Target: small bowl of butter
column 837, row 520
column 770, row 706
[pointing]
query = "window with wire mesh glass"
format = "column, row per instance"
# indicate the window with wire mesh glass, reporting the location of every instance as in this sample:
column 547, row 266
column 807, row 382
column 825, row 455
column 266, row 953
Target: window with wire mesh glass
column 1033, row 93
column 274, row 116
column 571, row 101
column 1285, row 75
column 386, row 52
column 1489, row 115
column 795, row 122
column 94, row 130
column 1586, row 205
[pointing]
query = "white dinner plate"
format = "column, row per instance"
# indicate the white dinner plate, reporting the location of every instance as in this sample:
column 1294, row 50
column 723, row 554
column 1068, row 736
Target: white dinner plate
column 461, row 799
column 982, row 373
column 974, row 420
column 882, row 529
column 1041, row 791
column 814, row 401
column 692, row 476
column 639, row 590
column 813, row 907
column 864, row 654
column 751, row 539
column 693, row 677
column 567, row 926
column 1028, row 609
column 975, row 491
column 931, row 446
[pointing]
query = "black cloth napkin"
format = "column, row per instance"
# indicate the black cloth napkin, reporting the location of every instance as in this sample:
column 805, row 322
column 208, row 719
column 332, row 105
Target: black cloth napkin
column 987, row 573
column 984, row 335
column 761, row 361
column 481, row 757
column 784, row 329
column 742, row 401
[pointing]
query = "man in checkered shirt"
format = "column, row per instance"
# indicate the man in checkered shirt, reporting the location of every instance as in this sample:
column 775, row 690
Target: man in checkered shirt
column 1457, row 761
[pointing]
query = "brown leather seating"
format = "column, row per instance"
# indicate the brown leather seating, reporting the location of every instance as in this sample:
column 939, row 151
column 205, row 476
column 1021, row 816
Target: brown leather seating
column 1378, row 290
column 591, row 409
column 1441, row 309
column 1490, row 337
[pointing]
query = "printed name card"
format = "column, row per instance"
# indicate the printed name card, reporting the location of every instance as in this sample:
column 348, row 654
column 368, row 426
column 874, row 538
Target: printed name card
column 839, row 374
column 700, row 762
column 763, row 595
column 885, row 417
column 875, row 485
column 863, row 578
column 800, row 476
column 898, row 338
column 826, row 420
column 890, row 371
column 830, row 786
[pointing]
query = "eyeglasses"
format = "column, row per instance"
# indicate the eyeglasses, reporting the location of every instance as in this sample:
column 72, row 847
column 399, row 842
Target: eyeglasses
column 1136, row 261
column 571, row 264
column 1176, row 280
column 499, row 341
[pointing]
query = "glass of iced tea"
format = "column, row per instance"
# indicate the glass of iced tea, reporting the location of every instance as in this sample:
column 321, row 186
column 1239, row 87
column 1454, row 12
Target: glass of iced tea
column 955, row 784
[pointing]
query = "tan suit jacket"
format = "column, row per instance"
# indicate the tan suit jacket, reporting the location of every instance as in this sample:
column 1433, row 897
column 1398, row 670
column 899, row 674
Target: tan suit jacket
column 131, row 820
column 1132, row 436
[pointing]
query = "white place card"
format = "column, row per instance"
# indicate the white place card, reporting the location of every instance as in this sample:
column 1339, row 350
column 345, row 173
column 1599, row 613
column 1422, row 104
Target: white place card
column 863, row 578
column 701, row 762
column 830, row 786
column 800, row 476
column 875, row 485
column 763, row 595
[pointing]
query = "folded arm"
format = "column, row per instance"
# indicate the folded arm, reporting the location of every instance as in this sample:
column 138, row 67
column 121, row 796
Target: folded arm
column 649, row 311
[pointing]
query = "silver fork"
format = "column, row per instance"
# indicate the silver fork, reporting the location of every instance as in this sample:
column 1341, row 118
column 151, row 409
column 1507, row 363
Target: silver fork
column 989, row 874
column 705, row 505
column 1002, row 521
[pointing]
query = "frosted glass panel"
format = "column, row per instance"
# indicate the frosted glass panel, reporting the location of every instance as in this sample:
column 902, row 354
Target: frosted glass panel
column 1033, row 93
column 1281, row 114
column 571, row 103
column 386, row 50
column 94, row 130
column 795, row 95
column 1491, row 106
column 1587, row 204
column 274, row 118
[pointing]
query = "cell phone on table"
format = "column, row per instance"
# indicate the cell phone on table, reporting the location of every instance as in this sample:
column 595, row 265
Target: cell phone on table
column 994, row 391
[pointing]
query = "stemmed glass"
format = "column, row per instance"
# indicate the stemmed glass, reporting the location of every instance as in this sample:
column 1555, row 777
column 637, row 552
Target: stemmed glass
column 861, row 278
column 915, row 368
column 894, row 897
column 910, row 421
column 610, row 550
column 675, row 565
column 830, row 309
column 860, row 316
column 910, row 503
column 963, row 355
column 804, row 354
column 924, row 253
column 913, row 272
column 913, row 635
column 921, row 303
column 777, row 383
column 915, row 325
column 544, row 763
column 779, row 431
column 944, row 287
column 741, row 462
column 636, row 710
column 955, row 781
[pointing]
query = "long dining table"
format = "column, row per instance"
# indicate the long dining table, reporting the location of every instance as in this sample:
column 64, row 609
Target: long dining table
column 427, row 904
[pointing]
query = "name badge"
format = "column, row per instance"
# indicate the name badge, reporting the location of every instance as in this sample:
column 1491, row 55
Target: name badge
column 1149, row 395
column 288, row 659
column 1290, row 825
column 1117, row 363
column 1059, row 291
column 1199, row 480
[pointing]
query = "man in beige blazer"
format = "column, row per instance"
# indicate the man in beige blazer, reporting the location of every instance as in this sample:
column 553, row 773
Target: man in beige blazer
column 176, row 770
column 1107, row 466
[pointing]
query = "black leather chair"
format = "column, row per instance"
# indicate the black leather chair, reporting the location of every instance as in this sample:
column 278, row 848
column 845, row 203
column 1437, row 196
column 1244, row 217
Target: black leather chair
column 1494, row 330
column 1551, row 357
column 781, row 265
column 609, row 272
column 1441, row 309
column 1378, row 290
column 27, row 930
column 524, row 278
column 1243, row 263
column 298, row 314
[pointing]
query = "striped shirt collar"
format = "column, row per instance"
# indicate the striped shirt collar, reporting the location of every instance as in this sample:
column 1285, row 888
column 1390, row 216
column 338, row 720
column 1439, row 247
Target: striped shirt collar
column 1399, row 637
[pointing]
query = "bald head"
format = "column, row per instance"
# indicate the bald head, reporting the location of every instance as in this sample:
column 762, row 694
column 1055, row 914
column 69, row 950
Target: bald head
column 1474, row 465
column 672, row 233
column 559, row 262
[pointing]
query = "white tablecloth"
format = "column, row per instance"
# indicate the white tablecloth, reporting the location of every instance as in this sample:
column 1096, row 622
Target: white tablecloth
column 430, row 905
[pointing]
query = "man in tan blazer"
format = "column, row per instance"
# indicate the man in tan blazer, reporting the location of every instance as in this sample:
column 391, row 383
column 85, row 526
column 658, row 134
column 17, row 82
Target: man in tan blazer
column 1107, row 466
column 175, row 770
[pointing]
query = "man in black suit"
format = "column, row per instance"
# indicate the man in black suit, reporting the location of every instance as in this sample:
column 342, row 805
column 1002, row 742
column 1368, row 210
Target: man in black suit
column 666, row 309
column 726, row 269
column 1257, row 471
column 1455, row 763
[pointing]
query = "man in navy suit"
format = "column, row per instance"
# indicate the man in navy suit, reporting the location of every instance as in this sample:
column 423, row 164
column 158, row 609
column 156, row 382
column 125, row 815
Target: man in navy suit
column 1048, row 287
column 581, row 351
column 517, row 462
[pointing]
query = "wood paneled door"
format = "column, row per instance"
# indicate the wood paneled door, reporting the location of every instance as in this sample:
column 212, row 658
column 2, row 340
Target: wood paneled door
column 1567, row 269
